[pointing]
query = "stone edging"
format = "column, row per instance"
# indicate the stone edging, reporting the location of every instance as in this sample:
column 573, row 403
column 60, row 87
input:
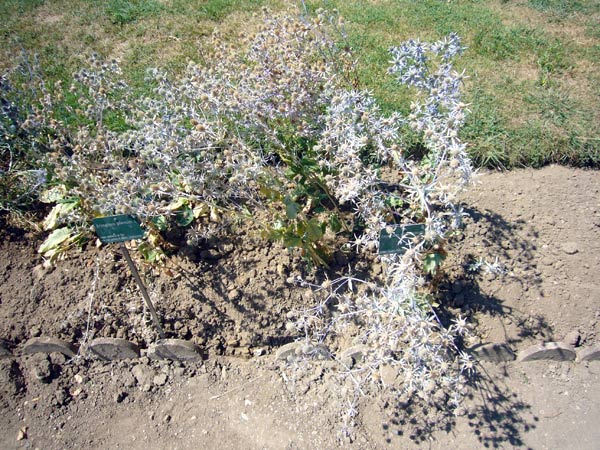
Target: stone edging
column 109, row 349
column 547, row 351
column 112, row 349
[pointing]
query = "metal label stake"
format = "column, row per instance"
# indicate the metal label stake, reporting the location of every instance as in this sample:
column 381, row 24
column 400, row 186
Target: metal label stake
column 120, row 229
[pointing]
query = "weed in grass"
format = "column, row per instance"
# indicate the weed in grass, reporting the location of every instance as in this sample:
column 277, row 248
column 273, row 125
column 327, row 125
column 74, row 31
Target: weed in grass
column 218, row 9
column 552, row 105
column 486, row 130
column 19, row 6
column 500, row 42
column 551, row 59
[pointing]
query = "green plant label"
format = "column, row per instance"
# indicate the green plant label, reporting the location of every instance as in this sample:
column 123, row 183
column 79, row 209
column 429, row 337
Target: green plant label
column 399, row 239
column 118, row 228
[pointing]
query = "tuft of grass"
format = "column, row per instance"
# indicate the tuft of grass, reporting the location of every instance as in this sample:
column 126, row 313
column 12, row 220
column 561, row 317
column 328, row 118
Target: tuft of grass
column 215, row 10
column 123, row 12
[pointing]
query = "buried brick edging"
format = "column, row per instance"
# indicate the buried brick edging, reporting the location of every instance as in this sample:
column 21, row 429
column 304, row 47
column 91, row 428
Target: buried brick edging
column 546, row 351
column 113, row 349
column 108, row 349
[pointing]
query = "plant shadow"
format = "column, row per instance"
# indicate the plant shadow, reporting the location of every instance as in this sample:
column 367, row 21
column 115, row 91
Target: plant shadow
column 474, row 282
column 495, row 416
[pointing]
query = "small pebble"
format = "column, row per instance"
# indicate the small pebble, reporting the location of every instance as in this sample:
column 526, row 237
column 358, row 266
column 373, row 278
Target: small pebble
column 570, row 248
column 22, row 434
column 160, row 379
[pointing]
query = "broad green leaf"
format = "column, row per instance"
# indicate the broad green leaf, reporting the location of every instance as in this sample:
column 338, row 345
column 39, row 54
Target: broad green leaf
column 185, row 216
column 292, row 241
column 151, row 254
column 314, row 230
column 291, row 208
column 160, row 222
column 55, row 238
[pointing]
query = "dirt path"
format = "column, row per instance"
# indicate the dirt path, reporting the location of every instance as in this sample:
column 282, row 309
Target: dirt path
column 543, row 227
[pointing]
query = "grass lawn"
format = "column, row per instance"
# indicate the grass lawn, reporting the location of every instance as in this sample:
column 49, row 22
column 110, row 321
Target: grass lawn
column 534, row 86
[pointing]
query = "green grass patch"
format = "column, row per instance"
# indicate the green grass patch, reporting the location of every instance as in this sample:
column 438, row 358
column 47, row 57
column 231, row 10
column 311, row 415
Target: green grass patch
column 521, row 111
column 533, row 84
column 565, row 7
column 121, row 12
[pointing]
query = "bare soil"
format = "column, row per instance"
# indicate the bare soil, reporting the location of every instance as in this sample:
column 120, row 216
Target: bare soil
column 533, row 237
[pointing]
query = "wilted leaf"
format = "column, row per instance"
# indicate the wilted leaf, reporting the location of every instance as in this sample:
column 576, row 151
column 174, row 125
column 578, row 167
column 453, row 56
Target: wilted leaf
column 54, row 194
column 201, row 210
column 55, row 238
column 180, row 202
column 56, row 213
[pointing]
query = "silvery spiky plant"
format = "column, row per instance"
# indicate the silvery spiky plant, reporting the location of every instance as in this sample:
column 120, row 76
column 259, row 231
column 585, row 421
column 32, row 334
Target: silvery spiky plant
column 28, row 131
column 393, row 323
column 278, row 126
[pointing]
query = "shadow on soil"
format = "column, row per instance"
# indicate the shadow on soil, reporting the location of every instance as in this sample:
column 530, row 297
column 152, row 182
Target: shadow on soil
column 496, row 416
column 501, row 239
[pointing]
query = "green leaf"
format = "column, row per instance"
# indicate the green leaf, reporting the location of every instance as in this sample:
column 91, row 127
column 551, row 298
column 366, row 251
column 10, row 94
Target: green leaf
column 394, row 201
column 291, row 240
column 314, row 230
column 55, row 238
column 334, row 223
column 432, row 262
column 149, row 253
column 291, row 208
column 185, row 216
column 160, row 223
